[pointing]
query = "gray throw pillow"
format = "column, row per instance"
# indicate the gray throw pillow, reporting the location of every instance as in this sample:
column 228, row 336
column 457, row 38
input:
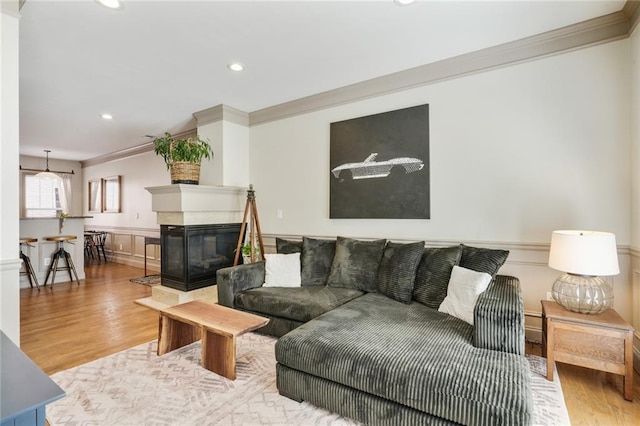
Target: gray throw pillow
column 483, row 259
column 317, row 257
column 288, row 246
column 433, row 274
column 397, row 272
column 355, row 264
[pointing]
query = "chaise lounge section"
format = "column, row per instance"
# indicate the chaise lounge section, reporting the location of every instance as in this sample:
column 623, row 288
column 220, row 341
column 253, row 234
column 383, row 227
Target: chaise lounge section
column 370, row 354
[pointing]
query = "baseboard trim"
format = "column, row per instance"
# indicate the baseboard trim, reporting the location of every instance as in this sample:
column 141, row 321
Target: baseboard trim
column 533, row 335
column 137, row 262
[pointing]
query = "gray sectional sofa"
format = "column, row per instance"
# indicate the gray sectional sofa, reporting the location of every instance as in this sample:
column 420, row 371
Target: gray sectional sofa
column 363, row 337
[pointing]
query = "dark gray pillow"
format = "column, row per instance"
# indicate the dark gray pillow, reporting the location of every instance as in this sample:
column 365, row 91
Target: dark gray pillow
column 317, row 257
column 356, row 264
column 433, row 274
column 288, row 246
column 397, row 272
column 483, row 259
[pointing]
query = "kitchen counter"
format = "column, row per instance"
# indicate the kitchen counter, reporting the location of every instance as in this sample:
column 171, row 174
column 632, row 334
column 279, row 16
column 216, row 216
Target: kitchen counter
column 42, row 251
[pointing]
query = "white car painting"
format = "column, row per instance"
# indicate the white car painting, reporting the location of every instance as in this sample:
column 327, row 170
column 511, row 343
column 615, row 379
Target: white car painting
column 369, row 168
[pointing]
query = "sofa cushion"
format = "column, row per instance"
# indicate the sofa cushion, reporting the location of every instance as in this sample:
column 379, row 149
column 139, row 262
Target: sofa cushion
column 433, row 274
column 355, row 264
column 412, row 355
column 317, row 257
column 397, row 272
column 483, row 259
column 288, row 246
column 282, row 270
column 295, row 303
column 464, row 288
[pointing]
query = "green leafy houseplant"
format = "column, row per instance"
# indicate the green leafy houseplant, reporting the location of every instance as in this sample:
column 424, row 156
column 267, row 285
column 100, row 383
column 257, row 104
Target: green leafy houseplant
column 246, row 252
column 246, row 249
column 182, row 156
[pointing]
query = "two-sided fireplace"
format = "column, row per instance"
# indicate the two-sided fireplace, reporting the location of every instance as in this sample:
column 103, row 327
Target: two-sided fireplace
column 191, row 254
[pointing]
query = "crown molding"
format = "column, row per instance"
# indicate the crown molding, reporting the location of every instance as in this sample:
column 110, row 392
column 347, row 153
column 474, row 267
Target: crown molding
column 221, row 113
column 603, row 29
column 631, row 10
column 130, row 152
column 123, row 153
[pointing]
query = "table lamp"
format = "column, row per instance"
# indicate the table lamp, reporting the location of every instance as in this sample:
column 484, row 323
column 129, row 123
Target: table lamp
column 584, row 256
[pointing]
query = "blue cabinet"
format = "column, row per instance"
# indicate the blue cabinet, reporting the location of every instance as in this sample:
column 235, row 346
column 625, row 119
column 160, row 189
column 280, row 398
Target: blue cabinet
column 24, row 388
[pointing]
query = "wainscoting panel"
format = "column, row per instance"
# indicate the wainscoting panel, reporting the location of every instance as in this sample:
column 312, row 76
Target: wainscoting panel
column 122, row 244
column 126, row 246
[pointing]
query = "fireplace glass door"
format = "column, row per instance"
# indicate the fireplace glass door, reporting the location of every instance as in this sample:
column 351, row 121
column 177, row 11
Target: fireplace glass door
column 192, row 254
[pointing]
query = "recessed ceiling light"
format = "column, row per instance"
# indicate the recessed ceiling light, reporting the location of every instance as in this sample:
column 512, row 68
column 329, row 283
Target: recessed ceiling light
column 107, row 116
column 111, row 4
column 235, row 66
column 403, row 2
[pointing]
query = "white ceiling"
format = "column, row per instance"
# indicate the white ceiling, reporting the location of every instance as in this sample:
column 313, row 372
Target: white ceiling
column 154, row 63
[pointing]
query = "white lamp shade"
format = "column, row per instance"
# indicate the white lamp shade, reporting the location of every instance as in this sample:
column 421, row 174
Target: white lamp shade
column 584, row 253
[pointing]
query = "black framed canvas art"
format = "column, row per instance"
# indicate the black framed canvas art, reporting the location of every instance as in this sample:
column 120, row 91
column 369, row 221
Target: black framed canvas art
column 379, row 166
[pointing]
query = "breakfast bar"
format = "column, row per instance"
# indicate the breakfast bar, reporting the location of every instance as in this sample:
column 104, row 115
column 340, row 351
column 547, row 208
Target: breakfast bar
column 41, row 252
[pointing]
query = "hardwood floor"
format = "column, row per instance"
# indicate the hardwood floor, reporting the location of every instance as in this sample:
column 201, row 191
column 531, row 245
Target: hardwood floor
column 71, row 325
column 74, row 324
column 595, row 397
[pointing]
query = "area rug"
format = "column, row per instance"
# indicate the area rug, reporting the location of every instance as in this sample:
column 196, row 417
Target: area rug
column 136, row 387
column 149, row 280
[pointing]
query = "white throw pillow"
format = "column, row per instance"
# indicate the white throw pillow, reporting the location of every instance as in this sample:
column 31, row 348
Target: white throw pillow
column 282, row 270
column 464, row 288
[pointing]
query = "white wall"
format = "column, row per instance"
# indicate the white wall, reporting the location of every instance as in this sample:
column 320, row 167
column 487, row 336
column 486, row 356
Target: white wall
column 236, row 154
column 211, row 170
column 229, row 165
column 634, row 54
column 9, row 142
column 515, row 152
column 137, row 173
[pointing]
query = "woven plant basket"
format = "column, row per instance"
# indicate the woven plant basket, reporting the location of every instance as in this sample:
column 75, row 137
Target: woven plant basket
column 184, row 172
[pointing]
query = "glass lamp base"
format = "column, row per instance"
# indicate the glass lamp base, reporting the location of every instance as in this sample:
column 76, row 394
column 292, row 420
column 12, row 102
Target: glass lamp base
column 584, row 294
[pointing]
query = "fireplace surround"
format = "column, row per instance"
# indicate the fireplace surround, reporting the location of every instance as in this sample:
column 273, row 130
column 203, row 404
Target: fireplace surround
column 191, row 254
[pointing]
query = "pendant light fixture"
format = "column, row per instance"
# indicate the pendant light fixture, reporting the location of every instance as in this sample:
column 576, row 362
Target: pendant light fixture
column 47, row 174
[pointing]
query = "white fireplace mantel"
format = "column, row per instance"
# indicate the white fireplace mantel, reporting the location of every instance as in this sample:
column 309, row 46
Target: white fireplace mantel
column 181, row 204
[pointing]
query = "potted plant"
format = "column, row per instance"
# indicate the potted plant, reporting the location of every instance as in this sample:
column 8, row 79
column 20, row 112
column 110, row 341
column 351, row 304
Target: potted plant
column 246, row 252
column 183, row 156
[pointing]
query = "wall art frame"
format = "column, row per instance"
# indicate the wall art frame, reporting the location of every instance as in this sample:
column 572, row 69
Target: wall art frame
column 379, row 166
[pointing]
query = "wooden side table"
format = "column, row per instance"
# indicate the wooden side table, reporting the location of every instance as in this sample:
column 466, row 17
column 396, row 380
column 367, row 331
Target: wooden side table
column 601, row 341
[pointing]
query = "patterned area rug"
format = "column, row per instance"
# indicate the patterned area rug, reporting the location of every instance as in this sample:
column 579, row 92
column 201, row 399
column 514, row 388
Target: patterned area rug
column 136, row 387
column 149, row 280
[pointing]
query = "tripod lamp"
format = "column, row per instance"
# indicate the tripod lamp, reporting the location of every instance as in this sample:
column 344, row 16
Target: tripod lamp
column 584, row 256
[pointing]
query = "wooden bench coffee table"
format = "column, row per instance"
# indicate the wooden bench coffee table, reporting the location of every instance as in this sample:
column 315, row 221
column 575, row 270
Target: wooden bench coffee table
column 217, row 326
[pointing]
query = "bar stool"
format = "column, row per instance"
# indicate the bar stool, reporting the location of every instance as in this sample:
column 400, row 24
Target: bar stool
column 102, row 238
column 29, row 272
column 89, row 246
column 61, row 253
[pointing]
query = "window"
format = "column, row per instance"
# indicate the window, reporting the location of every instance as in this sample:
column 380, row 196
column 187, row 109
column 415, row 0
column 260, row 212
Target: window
column 42, row 196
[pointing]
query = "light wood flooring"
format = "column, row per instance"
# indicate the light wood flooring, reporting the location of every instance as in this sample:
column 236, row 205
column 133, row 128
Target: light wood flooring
column 71, row 325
